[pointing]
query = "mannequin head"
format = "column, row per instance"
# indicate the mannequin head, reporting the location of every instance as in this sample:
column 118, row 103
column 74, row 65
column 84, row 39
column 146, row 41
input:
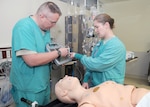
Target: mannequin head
column 65, row 88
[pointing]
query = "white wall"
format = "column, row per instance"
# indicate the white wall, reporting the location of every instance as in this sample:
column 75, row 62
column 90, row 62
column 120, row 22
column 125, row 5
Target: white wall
column 132, row 21
column 13, row 10
column 132, row 26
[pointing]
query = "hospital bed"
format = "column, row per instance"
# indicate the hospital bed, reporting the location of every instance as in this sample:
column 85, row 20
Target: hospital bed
column 55, row 103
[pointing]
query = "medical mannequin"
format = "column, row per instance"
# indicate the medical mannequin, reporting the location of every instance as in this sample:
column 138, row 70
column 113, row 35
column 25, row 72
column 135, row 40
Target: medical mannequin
column 107, row 94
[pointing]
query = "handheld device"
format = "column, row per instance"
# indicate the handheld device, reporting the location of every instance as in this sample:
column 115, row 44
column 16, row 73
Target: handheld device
column 61, row 60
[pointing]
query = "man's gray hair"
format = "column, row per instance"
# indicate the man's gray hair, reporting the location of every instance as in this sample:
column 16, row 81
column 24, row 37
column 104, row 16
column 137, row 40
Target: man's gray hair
column 48, row 7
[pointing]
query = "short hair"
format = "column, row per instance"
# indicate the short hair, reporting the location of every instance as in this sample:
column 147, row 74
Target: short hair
column 103, row 18
column 49, row 7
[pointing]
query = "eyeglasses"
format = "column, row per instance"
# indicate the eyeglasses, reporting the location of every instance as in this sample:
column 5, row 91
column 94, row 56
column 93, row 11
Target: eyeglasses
column 52, row 22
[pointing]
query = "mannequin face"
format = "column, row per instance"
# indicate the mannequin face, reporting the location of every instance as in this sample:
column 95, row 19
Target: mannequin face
column 68, row 82
column 65, row 87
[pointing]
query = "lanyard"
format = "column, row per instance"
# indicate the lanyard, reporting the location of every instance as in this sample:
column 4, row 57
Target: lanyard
column 97, row 48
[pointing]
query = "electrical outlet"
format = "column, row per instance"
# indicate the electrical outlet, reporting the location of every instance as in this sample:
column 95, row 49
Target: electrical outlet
column 4, row 54
column 1, row 56
column 8, row 53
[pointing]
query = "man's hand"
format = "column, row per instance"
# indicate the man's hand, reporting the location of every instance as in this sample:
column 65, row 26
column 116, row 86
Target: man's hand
column 64, row 52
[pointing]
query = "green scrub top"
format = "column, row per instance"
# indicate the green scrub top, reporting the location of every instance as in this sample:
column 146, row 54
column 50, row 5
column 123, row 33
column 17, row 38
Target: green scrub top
column 27, row 35
column 107, row 62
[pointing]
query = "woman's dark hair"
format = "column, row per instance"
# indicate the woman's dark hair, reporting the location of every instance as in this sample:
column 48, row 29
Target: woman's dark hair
column 103, row 18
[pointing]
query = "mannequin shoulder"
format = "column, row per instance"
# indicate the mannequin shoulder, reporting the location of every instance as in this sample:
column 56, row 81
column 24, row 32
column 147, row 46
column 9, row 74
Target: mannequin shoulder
column 87, row 105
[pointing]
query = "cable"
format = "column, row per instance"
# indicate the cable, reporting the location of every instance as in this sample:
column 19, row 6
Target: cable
column 33, row 104
column 79, row 71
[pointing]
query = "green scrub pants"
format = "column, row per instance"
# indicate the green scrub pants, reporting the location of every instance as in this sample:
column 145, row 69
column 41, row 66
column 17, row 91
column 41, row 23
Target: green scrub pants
column 42, row 97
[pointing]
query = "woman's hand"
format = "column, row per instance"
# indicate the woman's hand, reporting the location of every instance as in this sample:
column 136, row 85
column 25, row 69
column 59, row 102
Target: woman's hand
column 85, row 85
column 72, row 54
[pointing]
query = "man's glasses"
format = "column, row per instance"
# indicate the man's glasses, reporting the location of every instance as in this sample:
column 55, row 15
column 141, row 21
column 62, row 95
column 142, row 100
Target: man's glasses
column 52, row 22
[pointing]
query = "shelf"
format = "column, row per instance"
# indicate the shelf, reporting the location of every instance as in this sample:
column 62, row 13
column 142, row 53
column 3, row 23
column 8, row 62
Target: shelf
column 132, row 59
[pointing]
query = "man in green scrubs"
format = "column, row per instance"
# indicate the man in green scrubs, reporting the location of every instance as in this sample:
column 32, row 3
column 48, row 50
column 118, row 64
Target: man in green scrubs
column 108, row 59
column 30, row 72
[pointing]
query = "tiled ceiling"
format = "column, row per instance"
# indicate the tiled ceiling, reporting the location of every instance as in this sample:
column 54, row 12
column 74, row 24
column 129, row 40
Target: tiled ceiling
column 89, row 3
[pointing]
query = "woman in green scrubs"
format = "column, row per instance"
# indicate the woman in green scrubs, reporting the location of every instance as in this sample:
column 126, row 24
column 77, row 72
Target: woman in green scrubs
column 107, row 61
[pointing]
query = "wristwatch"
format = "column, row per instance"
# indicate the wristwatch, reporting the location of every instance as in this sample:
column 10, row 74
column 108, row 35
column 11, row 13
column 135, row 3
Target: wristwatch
column 59, row 53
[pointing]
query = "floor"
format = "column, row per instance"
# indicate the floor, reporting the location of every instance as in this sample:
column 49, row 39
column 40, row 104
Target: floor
column 137, row 82
column 12, row 105
column 131, row 81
